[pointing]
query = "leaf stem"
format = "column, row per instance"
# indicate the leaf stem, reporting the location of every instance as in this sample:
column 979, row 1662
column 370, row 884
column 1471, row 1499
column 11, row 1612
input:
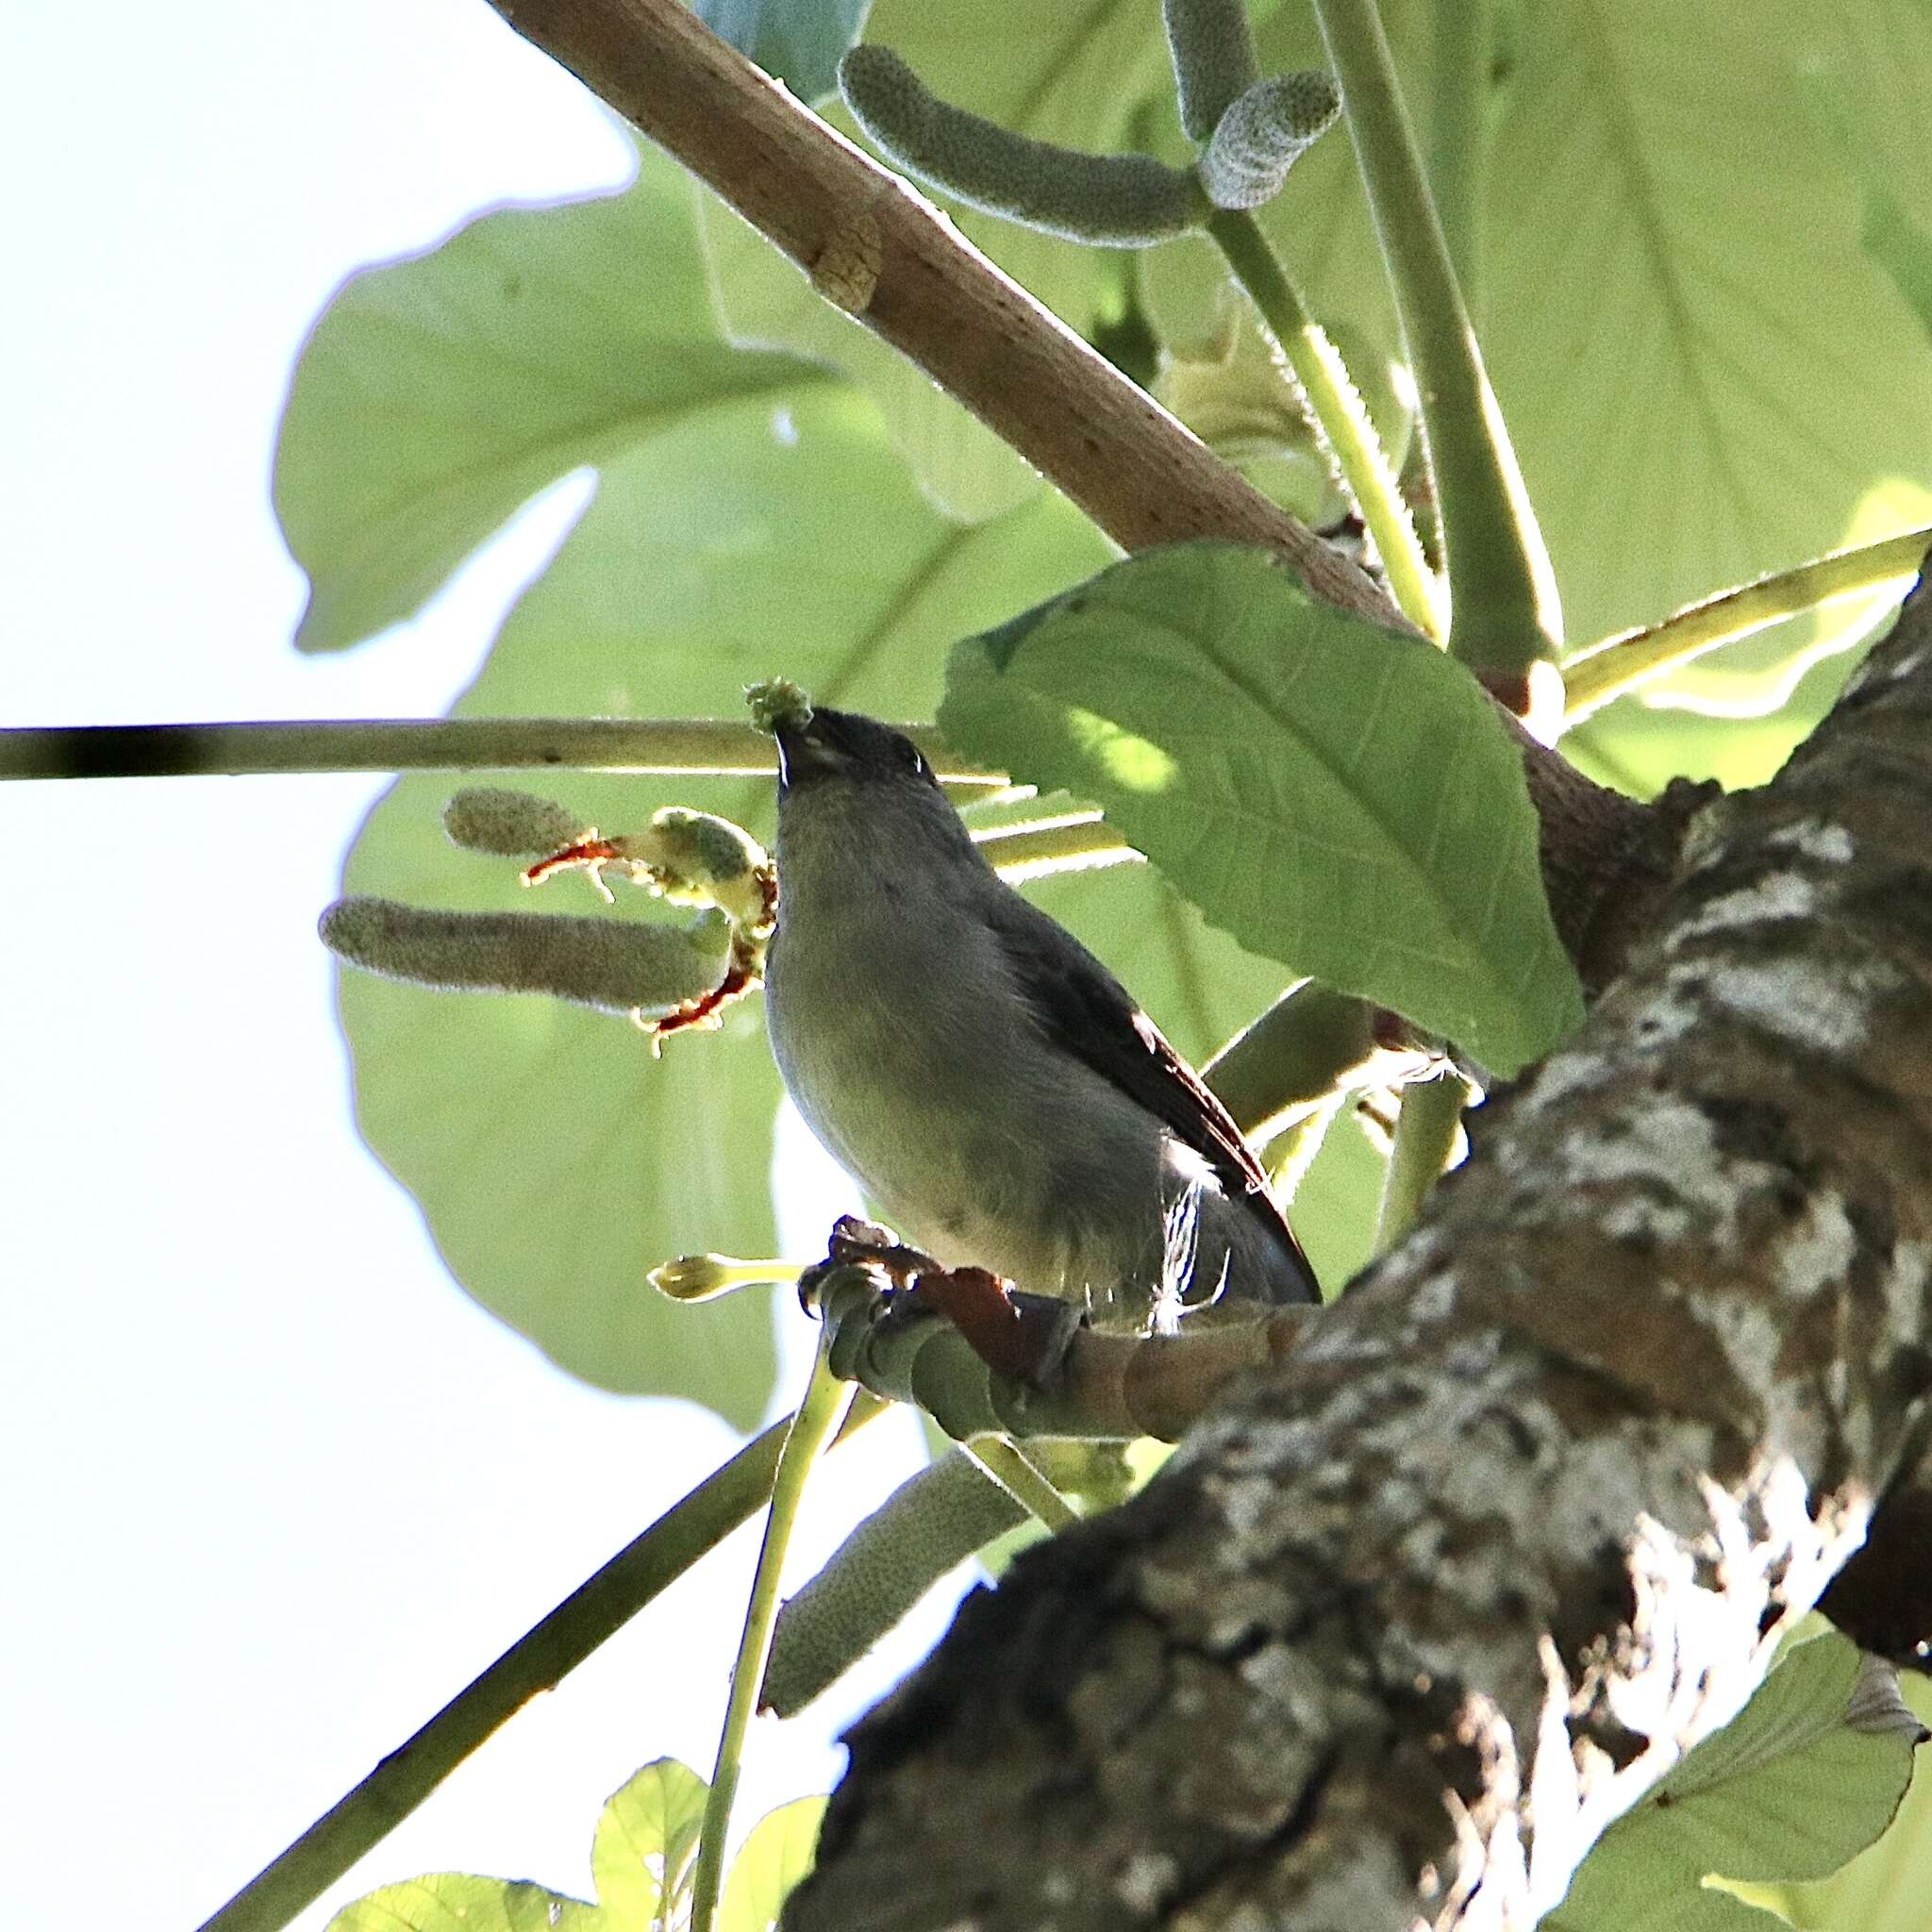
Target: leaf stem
column 1027, row 852
column 1463, row 47
column 1338, row 414
column 694, row 746
column 1503, row 600
column 537, row 1661
column 1002, row 1460
column 811, row 1429
column 1608, row 669
column 1424, row 1141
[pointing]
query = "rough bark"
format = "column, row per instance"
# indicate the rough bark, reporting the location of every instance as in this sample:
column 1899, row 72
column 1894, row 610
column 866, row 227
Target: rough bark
column 1535, row 1492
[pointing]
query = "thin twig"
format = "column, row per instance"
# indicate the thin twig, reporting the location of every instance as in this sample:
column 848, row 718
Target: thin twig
column 689, row 746
column 537, row 1661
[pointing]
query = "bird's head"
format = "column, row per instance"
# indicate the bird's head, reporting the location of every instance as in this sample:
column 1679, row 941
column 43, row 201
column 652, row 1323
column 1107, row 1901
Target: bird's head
column 825, row 745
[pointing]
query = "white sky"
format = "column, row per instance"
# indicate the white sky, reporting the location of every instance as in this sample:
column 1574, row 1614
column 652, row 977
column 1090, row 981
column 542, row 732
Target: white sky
column 273, row 1488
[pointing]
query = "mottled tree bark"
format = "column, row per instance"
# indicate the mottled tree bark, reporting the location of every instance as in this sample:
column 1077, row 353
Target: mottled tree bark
column 1406, row 1621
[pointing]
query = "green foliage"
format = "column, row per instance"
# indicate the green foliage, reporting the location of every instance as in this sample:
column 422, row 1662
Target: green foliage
column 641, row 1862
column 1335, row 794
column 438, row 394
column 1705, row 377
column 1675, row 279
column 1787, row 1790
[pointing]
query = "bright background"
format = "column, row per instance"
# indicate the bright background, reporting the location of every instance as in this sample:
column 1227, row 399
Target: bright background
column 274, row 1486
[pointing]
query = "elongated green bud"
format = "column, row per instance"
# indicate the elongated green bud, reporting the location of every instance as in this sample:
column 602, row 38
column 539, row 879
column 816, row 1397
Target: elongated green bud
column 1119, row 201
column 616, row 966
column 931, row 1521
column 1212, row 48
column 1263, row 134
column 510, row 824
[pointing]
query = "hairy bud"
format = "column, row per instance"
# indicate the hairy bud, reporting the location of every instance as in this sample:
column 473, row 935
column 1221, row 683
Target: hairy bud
column 1212, row 48
column 616, row 966
column 1263, row 134
column 1119, row 201
column 510, row 824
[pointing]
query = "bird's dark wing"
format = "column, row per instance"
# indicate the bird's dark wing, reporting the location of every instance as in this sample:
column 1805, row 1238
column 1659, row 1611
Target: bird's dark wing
column 1084, row 1010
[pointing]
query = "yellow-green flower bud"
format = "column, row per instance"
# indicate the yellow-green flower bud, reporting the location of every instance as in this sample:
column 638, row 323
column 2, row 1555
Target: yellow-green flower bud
column 705, row 1277
column 511, row 824
column 698, row 859
column 1119, row 201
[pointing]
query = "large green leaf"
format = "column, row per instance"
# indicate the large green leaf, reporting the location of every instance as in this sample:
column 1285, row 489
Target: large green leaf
column 765, row 302
column 1787, row 1791
column 439, row 393
column 1703, row 375
column 1337, row 795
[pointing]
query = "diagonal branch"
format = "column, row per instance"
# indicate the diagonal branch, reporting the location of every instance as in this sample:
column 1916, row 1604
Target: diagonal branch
column 886, row 256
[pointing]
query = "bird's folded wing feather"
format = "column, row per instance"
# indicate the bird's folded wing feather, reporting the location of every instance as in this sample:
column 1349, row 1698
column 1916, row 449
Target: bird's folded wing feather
column 1087, row 1012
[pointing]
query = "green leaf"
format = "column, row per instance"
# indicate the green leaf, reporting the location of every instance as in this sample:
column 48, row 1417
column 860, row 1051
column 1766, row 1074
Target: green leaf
column 641, row 1858
column 1674, row 290
column 1335, row 795
column 765, row 302
column 646, row 1846
column 449, row 1901
column 776, row 1855
column 797, row 42
column 1882, row 1888
column 439, row 393
column 1787, row 1791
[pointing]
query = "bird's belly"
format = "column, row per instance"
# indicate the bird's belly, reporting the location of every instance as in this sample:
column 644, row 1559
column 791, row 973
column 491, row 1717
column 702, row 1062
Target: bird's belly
column 932, row 1124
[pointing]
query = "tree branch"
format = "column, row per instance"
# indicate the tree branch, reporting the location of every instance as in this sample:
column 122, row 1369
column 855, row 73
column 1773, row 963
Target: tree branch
column 885, row 255
column 1548, row 1475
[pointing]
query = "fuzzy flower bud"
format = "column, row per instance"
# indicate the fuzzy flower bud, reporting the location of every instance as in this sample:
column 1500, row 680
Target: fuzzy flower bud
column 616, row 966
column 1263, row 134
column 1119, row 201
column 1212, row 48
column 510, row 824
column 775, row 701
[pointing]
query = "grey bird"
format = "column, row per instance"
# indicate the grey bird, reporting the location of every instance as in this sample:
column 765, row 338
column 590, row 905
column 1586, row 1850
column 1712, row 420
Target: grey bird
column 991, row 1086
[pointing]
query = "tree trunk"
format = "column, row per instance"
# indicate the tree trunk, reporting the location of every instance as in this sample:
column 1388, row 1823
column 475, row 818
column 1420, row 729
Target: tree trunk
column 1404, row 1622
